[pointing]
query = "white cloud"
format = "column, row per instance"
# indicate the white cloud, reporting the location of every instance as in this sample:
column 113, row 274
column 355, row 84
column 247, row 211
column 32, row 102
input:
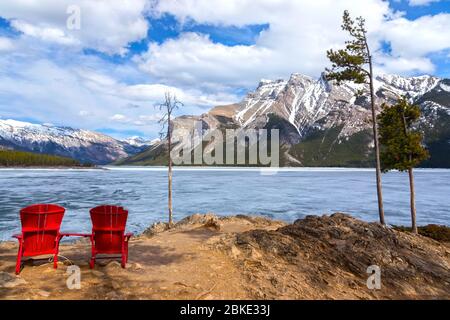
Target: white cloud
column 119, row 117
column 298, row 36
column 195, row 60
column 6, row 44
column 419, row 37
column 106, row 25
column 400, row 65
column 151, row 117
column 45, row 33
column 146, row 93
column 138, row 121
column 86, row 91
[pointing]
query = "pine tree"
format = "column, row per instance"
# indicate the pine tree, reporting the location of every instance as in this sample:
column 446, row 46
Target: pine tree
column 168, row 106
column 350, row 64
column 402, row 147
column 11, row 158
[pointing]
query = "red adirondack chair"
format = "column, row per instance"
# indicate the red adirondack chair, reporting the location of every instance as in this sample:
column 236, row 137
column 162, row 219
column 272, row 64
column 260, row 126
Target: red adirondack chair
column 108, row 233
column 40, row 232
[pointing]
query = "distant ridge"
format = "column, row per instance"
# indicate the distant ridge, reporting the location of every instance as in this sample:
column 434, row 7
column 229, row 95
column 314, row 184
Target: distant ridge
column 83, row 145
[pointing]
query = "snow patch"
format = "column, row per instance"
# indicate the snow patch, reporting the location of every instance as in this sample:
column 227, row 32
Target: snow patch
column 445, row 87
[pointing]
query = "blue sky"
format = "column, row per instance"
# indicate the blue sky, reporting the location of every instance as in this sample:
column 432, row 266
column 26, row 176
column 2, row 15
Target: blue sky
column 108, row 74
column 416, row 11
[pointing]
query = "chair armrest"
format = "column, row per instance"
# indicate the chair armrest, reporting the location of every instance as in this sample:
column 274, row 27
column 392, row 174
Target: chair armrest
column 128, row 235
column 17, row 236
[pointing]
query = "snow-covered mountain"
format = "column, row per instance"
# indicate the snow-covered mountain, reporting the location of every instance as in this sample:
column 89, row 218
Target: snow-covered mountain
column 307, row 103
column 139, row 141
column 83, row 145
column 322, row 123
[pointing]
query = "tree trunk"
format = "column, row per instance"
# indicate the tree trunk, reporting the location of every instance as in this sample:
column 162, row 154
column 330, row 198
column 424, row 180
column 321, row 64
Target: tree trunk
column 412, row 200
column 412, row 193
column 377, row 149
column 169, row 135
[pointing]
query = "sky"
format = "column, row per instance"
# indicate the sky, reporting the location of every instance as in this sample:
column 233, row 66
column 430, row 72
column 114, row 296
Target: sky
column 103, row 65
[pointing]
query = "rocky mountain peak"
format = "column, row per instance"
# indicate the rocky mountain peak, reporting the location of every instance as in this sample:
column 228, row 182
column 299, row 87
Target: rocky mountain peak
column 300, row 79
column 266, row 83
column 413, row 86
column 137, row 141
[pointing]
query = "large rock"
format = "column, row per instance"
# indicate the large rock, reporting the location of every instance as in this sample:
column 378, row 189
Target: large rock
column 328, row 257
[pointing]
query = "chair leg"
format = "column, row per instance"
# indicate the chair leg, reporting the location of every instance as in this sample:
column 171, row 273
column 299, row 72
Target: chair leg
column 18, row 263
column 19, row 258
column 93, row 252
column 92, row 262
column 124, row 254
column 55, row 261
column 55, row 257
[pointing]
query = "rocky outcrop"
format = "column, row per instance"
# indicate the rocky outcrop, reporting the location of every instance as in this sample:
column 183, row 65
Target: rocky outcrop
column 212, row 221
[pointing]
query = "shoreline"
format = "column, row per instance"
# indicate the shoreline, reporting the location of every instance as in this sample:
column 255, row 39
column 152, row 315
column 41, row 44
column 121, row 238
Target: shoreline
column 213, row 168
column 263, row 171
column 442, row 230
column 424, row 230
column 51, row 168
column 249, row 168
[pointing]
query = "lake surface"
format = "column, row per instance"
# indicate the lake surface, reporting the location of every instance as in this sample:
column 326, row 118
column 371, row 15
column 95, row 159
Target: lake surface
column 287, row 195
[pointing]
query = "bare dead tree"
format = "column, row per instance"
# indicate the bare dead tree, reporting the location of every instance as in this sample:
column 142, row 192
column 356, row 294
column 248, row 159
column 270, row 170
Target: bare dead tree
column 168, row 106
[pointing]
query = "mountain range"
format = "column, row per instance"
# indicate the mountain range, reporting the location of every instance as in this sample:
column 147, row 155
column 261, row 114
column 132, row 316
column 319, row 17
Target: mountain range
column 322, row 123
column 83, row 145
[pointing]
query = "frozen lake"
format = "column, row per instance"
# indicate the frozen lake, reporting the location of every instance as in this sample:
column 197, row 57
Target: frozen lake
column 287, row 195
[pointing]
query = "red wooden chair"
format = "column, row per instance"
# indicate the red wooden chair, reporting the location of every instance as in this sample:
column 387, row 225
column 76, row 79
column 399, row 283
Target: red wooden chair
column 108, row 233
column 40, row 232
